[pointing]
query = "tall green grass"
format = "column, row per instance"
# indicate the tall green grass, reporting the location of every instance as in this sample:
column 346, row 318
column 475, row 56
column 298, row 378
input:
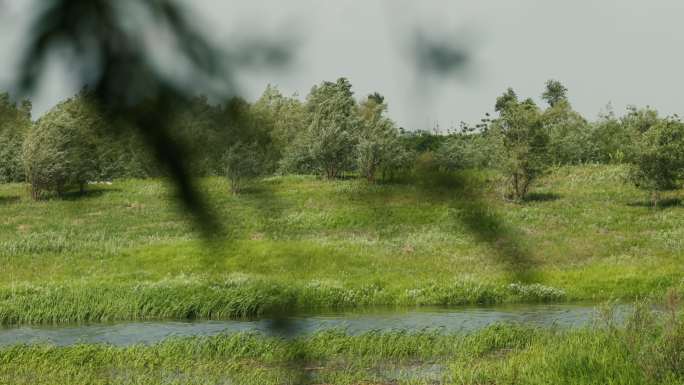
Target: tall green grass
column 124, row 251
column 193, row 298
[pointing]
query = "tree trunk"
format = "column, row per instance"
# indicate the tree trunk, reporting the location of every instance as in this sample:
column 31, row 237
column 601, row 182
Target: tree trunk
column 516, row 188
column 370, row 174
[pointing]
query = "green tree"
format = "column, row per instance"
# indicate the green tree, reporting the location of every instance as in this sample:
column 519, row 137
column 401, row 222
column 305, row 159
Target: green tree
column 421, row 141
column 243, row 162
column 208, row 129
column 327, row 145
column 249, row 123
column 378, row 147
column 507, row 98
column 612, row 138
column 555, row 92
column 639, row 120
column 15, row 122
column 467, row 150
column 283, row 119
column 61, row 150
column 608, row 138
column 200, row 126
column 658, row 158
column 523, row 144
column 569, row 135
column 122, row 154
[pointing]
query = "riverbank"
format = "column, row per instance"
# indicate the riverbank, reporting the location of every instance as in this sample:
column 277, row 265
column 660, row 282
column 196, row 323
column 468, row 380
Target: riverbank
column 648, row 349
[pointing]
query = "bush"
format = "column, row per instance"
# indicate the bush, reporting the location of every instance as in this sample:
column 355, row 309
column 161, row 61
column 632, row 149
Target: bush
column 658, row 159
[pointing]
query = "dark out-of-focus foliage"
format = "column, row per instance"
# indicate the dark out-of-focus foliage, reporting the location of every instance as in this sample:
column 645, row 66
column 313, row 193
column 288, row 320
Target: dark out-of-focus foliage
column 438, row 56
column 109, row 44
column 118, row 49
column 106, row 41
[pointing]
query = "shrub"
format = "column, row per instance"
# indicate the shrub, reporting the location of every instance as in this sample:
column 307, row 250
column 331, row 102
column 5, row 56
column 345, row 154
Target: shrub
column 658, row 158
column 536, row 292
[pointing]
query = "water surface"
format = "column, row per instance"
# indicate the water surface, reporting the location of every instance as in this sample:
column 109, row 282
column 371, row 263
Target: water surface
column 446, row 320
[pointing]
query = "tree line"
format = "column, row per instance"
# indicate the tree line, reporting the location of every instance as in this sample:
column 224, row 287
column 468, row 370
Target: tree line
column 333, row 134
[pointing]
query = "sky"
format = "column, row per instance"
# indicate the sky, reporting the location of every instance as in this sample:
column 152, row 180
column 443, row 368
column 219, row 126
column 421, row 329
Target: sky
column 620, row 52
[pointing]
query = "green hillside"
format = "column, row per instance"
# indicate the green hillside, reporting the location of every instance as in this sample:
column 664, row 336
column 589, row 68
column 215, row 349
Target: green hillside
column 124, row 251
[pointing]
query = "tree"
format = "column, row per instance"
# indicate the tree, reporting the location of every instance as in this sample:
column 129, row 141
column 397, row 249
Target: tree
column 464, row 150
column 378, row 145
column 421, row 141
column 639, row 120
column 254, row 125
column 608, row 138
column 507, row 98
column 327, row 145
column 200, row 125
column 283, row 118
column 555, row 92
column 569, row 135
column 15, row 122
column 243, row 163
column 61, row 150
column 524, row 146
column 658, row 159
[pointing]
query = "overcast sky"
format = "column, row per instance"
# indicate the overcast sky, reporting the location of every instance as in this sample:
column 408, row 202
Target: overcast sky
column 618, row 51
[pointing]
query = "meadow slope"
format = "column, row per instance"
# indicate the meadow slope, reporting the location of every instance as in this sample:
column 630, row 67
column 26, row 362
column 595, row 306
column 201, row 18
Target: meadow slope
column 123, row 251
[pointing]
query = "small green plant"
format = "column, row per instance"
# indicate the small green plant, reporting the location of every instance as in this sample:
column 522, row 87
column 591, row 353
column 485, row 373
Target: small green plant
column 537, row 292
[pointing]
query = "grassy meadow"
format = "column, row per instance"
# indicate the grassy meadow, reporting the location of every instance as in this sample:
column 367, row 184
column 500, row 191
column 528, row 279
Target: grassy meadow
column 124, row 251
